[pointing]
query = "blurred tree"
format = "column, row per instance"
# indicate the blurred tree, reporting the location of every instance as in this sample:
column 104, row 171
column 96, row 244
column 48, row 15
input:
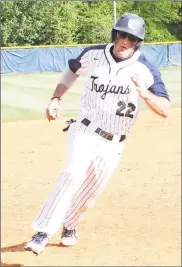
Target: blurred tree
column 38, row 22
column 96, row 21
column 72, row 22
column 158, row 15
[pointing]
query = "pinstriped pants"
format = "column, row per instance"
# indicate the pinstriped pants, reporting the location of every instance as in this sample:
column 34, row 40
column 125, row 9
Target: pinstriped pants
column 91, row 161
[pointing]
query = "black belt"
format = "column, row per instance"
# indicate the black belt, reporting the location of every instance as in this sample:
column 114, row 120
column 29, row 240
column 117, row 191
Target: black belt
column 102, row 133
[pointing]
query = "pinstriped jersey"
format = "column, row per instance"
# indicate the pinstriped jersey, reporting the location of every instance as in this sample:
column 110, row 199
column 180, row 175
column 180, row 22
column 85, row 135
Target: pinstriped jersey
column 110, row 99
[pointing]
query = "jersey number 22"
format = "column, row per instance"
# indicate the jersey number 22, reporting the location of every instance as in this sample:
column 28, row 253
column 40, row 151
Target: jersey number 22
column 128, row 113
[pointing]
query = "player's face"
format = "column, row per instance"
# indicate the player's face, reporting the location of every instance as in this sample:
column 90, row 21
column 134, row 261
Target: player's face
column 124, row 45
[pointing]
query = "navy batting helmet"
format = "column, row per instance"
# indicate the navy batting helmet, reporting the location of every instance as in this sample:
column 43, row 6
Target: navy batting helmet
column 130, row 23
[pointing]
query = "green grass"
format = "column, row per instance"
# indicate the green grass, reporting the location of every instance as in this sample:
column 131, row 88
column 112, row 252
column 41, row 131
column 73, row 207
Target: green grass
column 25, row 96
column 9, row 113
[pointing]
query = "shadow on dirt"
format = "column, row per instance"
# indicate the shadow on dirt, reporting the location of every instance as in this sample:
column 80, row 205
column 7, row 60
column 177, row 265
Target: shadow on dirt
column 20, row 248
column 14, row 248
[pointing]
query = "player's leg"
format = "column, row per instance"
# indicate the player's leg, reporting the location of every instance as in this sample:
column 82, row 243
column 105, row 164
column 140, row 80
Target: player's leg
column 94, row 184
column 52, row 213
column 69, row 234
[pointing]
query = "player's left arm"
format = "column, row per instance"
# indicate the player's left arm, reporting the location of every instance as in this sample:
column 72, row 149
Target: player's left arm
column 155, row 96
column 158, row 104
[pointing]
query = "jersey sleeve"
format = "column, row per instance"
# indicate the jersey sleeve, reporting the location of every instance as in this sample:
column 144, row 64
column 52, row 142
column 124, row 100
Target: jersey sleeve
column 157, row 86
column 80, row 65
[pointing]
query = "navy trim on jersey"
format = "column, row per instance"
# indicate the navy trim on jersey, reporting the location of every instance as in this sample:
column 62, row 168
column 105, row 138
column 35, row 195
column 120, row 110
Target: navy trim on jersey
column 158, row 88
column 94, row 47
column 74, row 64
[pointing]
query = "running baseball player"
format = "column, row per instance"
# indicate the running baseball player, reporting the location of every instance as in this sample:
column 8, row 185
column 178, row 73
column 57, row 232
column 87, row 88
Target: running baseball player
column 118, row 76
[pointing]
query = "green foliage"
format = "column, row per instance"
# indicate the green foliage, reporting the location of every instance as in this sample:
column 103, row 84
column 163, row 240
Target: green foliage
column 72, row 22
column 158, row 16
column 38, row 22
column 95, row 23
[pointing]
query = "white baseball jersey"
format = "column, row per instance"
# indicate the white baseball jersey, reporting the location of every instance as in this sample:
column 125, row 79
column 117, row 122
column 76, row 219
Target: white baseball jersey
column 110, row 100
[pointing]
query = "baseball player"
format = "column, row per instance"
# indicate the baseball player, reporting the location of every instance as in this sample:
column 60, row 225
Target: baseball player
column 118, row 76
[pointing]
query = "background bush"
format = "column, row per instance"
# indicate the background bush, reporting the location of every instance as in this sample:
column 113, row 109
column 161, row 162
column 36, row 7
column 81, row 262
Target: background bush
column 77, row 22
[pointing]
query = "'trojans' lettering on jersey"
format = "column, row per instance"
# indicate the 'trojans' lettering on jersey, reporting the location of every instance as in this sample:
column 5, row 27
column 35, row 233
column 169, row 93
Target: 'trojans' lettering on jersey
column 109, row 83
column 108, row 88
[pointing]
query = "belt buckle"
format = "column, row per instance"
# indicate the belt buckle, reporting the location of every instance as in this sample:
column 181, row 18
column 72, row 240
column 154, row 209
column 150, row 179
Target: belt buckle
column 104, row 134
column 109, row 137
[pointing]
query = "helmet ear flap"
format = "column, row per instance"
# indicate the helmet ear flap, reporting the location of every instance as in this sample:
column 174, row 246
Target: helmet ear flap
column 113, row 35
column 138, row 45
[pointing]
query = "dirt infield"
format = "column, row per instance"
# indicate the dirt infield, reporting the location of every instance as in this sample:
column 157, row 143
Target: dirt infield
column 136, row 221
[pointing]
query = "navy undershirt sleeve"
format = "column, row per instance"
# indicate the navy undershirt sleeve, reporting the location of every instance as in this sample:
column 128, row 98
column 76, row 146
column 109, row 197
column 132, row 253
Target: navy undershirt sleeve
column 158, row 88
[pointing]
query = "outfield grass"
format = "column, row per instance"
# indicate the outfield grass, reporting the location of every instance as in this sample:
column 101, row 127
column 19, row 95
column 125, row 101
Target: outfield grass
column 25, row 96
column 9, row 113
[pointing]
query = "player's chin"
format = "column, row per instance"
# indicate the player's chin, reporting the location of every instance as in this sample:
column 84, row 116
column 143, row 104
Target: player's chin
column 123, row 54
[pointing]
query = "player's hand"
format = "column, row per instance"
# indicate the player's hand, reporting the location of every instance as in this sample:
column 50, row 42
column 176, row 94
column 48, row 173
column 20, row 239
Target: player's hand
column 141, row 88
column 53, row 109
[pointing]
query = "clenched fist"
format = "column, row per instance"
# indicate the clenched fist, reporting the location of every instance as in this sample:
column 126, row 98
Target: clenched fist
column 53, row 109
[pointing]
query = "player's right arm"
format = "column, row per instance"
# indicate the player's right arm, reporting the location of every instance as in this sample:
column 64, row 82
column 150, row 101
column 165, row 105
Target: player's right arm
column 53, row 108
column 77, row 67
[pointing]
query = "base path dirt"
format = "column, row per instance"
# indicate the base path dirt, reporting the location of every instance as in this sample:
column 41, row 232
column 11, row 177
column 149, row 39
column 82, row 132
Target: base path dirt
column 136, row 220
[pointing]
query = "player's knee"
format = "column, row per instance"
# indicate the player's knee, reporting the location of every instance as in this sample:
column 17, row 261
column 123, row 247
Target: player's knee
column 74, row 174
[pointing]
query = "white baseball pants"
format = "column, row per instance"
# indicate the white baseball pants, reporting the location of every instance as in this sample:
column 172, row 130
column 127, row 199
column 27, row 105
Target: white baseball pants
column 91, row 161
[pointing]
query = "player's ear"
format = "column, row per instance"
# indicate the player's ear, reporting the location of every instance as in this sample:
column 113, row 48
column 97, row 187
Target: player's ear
column 113, row 35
